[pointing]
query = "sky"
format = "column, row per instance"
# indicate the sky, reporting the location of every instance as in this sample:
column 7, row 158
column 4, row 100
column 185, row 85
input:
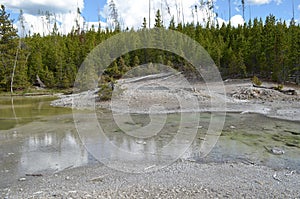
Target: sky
column 132, row 12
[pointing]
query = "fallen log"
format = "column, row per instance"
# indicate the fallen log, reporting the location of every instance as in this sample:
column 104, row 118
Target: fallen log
column 99, row 178
column 39, row 82
column 287, row 92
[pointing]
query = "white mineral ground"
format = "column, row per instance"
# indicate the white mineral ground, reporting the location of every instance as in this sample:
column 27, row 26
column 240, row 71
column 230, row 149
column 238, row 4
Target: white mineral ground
column 137, row 95
column 182, row 179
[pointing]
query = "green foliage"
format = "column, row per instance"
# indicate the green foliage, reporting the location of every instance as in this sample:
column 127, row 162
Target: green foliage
column 109, row 89
column 158, row 21
column 256, row 81
column 8, row 48
column 268, row 49
column 105, row 92
column 279, row 87
column 144, row 26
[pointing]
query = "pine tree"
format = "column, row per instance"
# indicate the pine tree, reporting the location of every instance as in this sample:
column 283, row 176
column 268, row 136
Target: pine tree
column 158, row 21
column 255, row 50
column 144, row 26
column 8, row 48
column 293, row 62
column 172, row 24
column 136, row 61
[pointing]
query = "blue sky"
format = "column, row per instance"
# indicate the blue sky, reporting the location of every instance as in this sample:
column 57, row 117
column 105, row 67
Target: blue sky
column 132, row 11
column 281, row 10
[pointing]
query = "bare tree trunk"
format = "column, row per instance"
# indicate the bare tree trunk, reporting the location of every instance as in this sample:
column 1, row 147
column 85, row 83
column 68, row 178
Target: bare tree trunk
column 168, row 8
column 293, row 7
column 12, row 82
column 162, row 12
column 177, row 11
column 14, row 68
column 149, row 14
column 182, row 13
column 196, row 11
column 13, row 109
column 243, row 7
column 212, row 13
column 229, row 10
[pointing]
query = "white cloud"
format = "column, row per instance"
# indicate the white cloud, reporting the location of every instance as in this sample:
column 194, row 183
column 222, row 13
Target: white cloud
column 299, row 7
column 63, row 12
column 220, row 21
column 132, row 12
column 261, row 2
column 35, row 7
column 278, row 2
column 237, row 20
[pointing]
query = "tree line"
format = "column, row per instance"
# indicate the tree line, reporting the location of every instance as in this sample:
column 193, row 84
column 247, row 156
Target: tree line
column 269, row 49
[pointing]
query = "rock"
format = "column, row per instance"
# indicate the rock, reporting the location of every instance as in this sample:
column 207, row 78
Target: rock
column 245, row 112
column 38, row 193
column 141, row 142
column 277, row 151
column 22, row 179
column 72, row 192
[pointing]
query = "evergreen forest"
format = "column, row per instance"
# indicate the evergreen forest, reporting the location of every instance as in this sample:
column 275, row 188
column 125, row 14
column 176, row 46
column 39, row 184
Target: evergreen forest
column 267, row 48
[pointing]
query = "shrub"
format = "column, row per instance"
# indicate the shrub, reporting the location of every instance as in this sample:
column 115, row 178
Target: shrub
column 256, row 81
column 105, row 92
column 279, row 87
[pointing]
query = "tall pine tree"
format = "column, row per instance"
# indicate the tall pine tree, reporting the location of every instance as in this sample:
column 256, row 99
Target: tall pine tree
column 8, row 48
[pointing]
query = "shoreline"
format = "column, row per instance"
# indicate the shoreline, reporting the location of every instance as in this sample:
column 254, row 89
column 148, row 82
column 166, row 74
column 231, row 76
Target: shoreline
column 239, row 97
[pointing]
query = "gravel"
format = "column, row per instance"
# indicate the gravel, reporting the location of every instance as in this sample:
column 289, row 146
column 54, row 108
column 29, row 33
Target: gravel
column 182, row 179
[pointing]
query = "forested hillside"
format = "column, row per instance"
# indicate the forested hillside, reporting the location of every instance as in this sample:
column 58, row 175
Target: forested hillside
column 268, row 48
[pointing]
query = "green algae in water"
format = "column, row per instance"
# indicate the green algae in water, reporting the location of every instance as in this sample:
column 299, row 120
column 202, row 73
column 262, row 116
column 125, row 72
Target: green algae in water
column 22, row 110
column 254, row 132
